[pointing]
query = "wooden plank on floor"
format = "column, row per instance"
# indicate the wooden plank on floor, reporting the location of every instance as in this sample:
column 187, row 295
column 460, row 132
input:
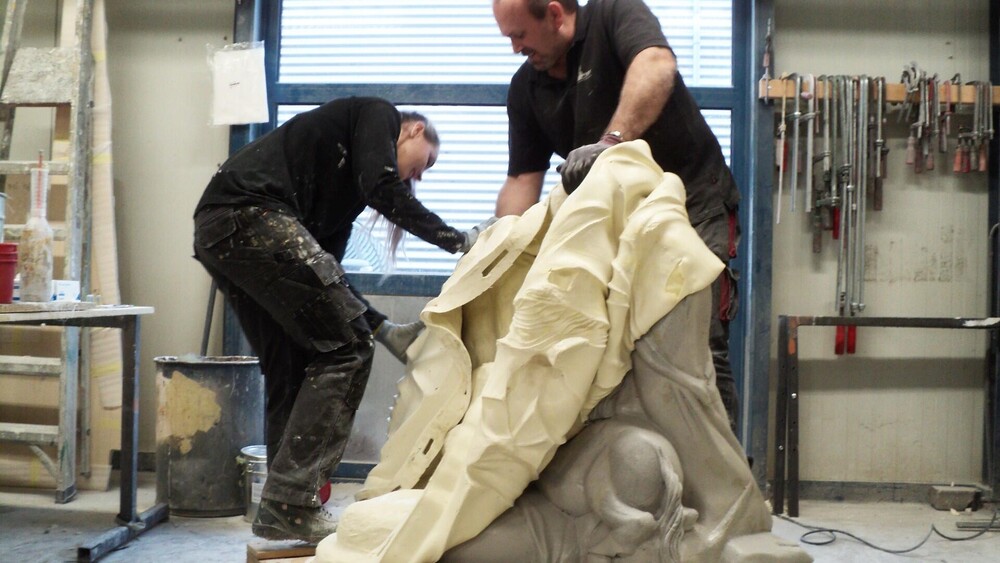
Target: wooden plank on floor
column 279, row 552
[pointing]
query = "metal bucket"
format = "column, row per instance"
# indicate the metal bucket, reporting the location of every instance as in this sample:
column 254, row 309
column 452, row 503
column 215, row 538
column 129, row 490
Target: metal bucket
column 3, row 213
column 253, row 460
column 209, row 407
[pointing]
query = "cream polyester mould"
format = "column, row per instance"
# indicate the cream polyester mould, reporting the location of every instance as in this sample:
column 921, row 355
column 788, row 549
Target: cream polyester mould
column 533, row 329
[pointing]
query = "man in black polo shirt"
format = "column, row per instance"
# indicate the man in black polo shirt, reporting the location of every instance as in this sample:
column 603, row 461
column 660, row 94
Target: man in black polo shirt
column 598, row 75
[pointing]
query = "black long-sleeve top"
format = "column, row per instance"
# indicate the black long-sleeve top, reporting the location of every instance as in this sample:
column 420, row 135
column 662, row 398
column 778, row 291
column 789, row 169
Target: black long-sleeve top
column 323, row 167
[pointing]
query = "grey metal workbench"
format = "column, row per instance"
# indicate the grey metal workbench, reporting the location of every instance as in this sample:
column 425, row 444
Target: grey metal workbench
column 786, row 443
column 124, row 317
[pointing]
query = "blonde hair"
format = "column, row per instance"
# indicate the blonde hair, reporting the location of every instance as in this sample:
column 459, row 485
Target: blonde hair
column 394, row 233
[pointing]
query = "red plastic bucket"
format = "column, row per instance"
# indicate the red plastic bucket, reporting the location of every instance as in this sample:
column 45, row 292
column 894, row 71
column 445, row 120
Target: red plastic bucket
column 8, row 267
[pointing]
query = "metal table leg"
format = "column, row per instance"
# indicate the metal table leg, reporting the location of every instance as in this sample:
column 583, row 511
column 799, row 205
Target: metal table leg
column 780, row 419
column 786, row 448
column 130, row 421
column 68, row 384
column 792, row 382
column 132, row 524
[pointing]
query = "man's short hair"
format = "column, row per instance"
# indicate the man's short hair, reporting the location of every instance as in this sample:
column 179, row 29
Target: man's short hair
column 537, row 7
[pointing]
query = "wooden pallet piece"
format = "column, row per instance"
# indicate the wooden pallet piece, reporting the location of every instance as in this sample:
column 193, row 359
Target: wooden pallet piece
column 279, row 552
column 777, row 88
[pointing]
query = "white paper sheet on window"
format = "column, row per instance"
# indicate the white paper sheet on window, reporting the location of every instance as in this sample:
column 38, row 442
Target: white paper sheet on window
column 239, row 88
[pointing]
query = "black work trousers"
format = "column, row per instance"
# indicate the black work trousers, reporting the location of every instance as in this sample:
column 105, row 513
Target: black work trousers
column 309, row 331
column 721, row 234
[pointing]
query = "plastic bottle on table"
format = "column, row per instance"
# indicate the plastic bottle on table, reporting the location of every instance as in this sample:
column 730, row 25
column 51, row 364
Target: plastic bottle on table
column 35, row 249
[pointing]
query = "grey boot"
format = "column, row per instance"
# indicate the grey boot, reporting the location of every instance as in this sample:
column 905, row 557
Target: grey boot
column 279, row 521
column 397, row 338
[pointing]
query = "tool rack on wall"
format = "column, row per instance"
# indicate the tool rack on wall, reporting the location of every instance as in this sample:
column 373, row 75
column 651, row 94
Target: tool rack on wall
column 758, row 217
column 775, row 90
column 895, row 92
column 848, row 115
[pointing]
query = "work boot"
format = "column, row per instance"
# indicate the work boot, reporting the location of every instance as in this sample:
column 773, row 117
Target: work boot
column 397, row 338
column 279, row 521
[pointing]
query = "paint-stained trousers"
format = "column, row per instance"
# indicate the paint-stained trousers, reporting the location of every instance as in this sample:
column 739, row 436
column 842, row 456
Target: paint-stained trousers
column 309, row 331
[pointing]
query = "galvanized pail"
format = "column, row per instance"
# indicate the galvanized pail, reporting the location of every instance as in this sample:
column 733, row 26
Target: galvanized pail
column 3, row 213
column 253, row 459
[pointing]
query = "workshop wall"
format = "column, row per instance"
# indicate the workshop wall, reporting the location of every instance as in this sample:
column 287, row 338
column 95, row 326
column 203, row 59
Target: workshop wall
column 908, row 407
column 165, row 153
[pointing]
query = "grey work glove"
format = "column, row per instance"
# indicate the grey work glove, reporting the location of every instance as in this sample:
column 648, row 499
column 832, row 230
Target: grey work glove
column 472, row 235
column 580, row 160
column 397, row 338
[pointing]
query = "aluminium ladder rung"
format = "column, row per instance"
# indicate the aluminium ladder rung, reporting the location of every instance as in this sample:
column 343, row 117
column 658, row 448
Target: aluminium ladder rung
column 56, row 167
column 62, row 79
column 30, row 365
column 13, row 232
column 38, row 434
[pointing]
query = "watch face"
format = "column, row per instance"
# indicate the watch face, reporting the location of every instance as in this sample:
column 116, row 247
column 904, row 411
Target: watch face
column 616, row 134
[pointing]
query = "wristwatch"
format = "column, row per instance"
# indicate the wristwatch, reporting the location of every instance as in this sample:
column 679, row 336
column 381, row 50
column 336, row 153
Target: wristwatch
column 613, row 137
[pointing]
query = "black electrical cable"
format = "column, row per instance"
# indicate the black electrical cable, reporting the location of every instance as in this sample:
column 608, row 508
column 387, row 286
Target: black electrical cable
column 832, row 533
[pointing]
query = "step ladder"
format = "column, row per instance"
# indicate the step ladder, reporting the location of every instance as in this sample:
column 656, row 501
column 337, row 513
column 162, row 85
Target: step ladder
column 60, row 78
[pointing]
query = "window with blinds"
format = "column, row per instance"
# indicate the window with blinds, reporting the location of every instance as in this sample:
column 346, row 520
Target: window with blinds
column 461, row 187
column 456, row 42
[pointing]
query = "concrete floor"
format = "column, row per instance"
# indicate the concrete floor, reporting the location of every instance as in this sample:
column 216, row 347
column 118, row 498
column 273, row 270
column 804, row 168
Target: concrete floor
column 35, row 530
column 893, row 526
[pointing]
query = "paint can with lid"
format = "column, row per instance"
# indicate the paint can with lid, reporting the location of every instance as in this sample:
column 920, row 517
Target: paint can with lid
column 253, row 460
